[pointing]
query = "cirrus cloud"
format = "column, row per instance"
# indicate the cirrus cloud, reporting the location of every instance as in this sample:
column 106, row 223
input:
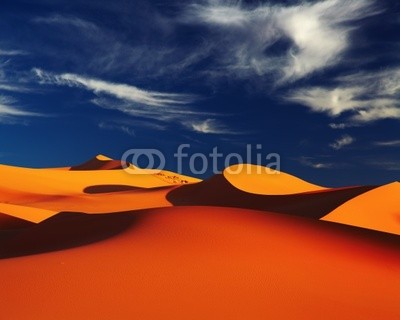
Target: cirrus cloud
column 345, row 140
column 313, row 35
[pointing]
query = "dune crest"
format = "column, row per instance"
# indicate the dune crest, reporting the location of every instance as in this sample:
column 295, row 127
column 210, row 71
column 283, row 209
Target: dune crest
column 378, row 209
column 25, row 212
column 217, row 191
column 99, row 162
column 262, row 180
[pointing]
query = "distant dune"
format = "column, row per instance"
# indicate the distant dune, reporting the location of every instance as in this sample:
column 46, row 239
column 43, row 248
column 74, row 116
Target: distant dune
column 262, row 180
column 94, row 242
column 100, row 162
column 25, row 212
column 217, row 191
column 40, row 193
column 378, row 209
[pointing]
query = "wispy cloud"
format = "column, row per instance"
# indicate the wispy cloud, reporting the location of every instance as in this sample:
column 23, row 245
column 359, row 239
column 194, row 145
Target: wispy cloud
column 112, row 126
column 130, row 126
column 390, row 143
column 209, row 126
column 13, row 87
column 9, row 80
column 72, row 21
column 311, row 35
column 313, row 163
column 345, row 140
column 12, row 52
column 341, row 126
column 385, row 164
column 117, row 90
column 157, row 106
column 364, row 97
column 9, row 111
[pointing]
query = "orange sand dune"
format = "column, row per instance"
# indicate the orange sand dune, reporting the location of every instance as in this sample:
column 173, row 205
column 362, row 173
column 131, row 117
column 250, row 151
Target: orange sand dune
column 56, row 182
column 107, row 202
column 378, row 209
column 199, row 263
column 261, row 180
column 100, row 162
column 217, row 191
column 39, row 207
column 62, row 191
column 26, row 213
column 37, row 194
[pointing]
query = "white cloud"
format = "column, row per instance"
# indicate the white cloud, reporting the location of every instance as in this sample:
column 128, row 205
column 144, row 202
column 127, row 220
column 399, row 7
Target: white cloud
column 7, row 109
column 317, row 34
column 378, row 110
column 13, row 87
column 170, row 108
column 67, row 21
column 120, row 91
column 341, row 126
column 345, row 140
column 209, row 126
column 9, row 80
column 12, row 52
column 311, row 162
column 365, row 97
column 390, row 143
column 331, row 101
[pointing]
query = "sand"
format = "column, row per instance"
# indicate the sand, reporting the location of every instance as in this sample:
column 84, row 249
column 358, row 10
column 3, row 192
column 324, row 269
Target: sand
column 378, row 209
column 94, row 242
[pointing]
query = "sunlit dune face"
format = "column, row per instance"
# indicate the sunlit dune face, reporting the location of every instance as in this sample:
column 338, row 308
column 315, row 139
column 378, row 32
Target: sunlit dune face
column 27, row 213
column 262, row 180
column 37, row 194
column 378, row 209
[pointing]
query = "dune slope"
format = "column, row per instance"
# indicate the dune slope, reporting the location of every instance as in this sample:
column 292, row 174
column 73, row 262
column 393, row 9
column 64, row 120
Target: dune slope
column 378, row 209
column 262, row 180
column 100, row 162
column 217, row 191
column 205, row 263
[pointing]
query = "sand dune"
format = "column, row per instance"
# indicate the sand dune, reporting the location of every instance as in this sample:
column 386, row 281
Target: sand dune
column 107, row 202
column 262, row 180
column 89, row 243
column 100, row 162
column 37, row 194
column 27, row 213
column 217, row 191
column 201, row 263
column 39, row 207
column 56, row 182
column 378, row 209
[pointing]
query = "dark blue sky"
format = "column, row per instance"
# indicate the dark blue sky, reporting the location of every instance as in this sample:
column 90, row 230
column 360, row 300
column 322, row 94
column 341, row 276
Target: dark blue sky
column 317, row 82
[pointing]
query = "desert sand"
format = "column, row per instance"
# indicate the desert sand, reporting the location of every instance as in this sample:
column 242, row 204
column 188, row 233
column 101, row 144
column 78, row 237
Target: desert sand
column 261, row 180
column 93, row 242
column 378, row 209
column 100, row 188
